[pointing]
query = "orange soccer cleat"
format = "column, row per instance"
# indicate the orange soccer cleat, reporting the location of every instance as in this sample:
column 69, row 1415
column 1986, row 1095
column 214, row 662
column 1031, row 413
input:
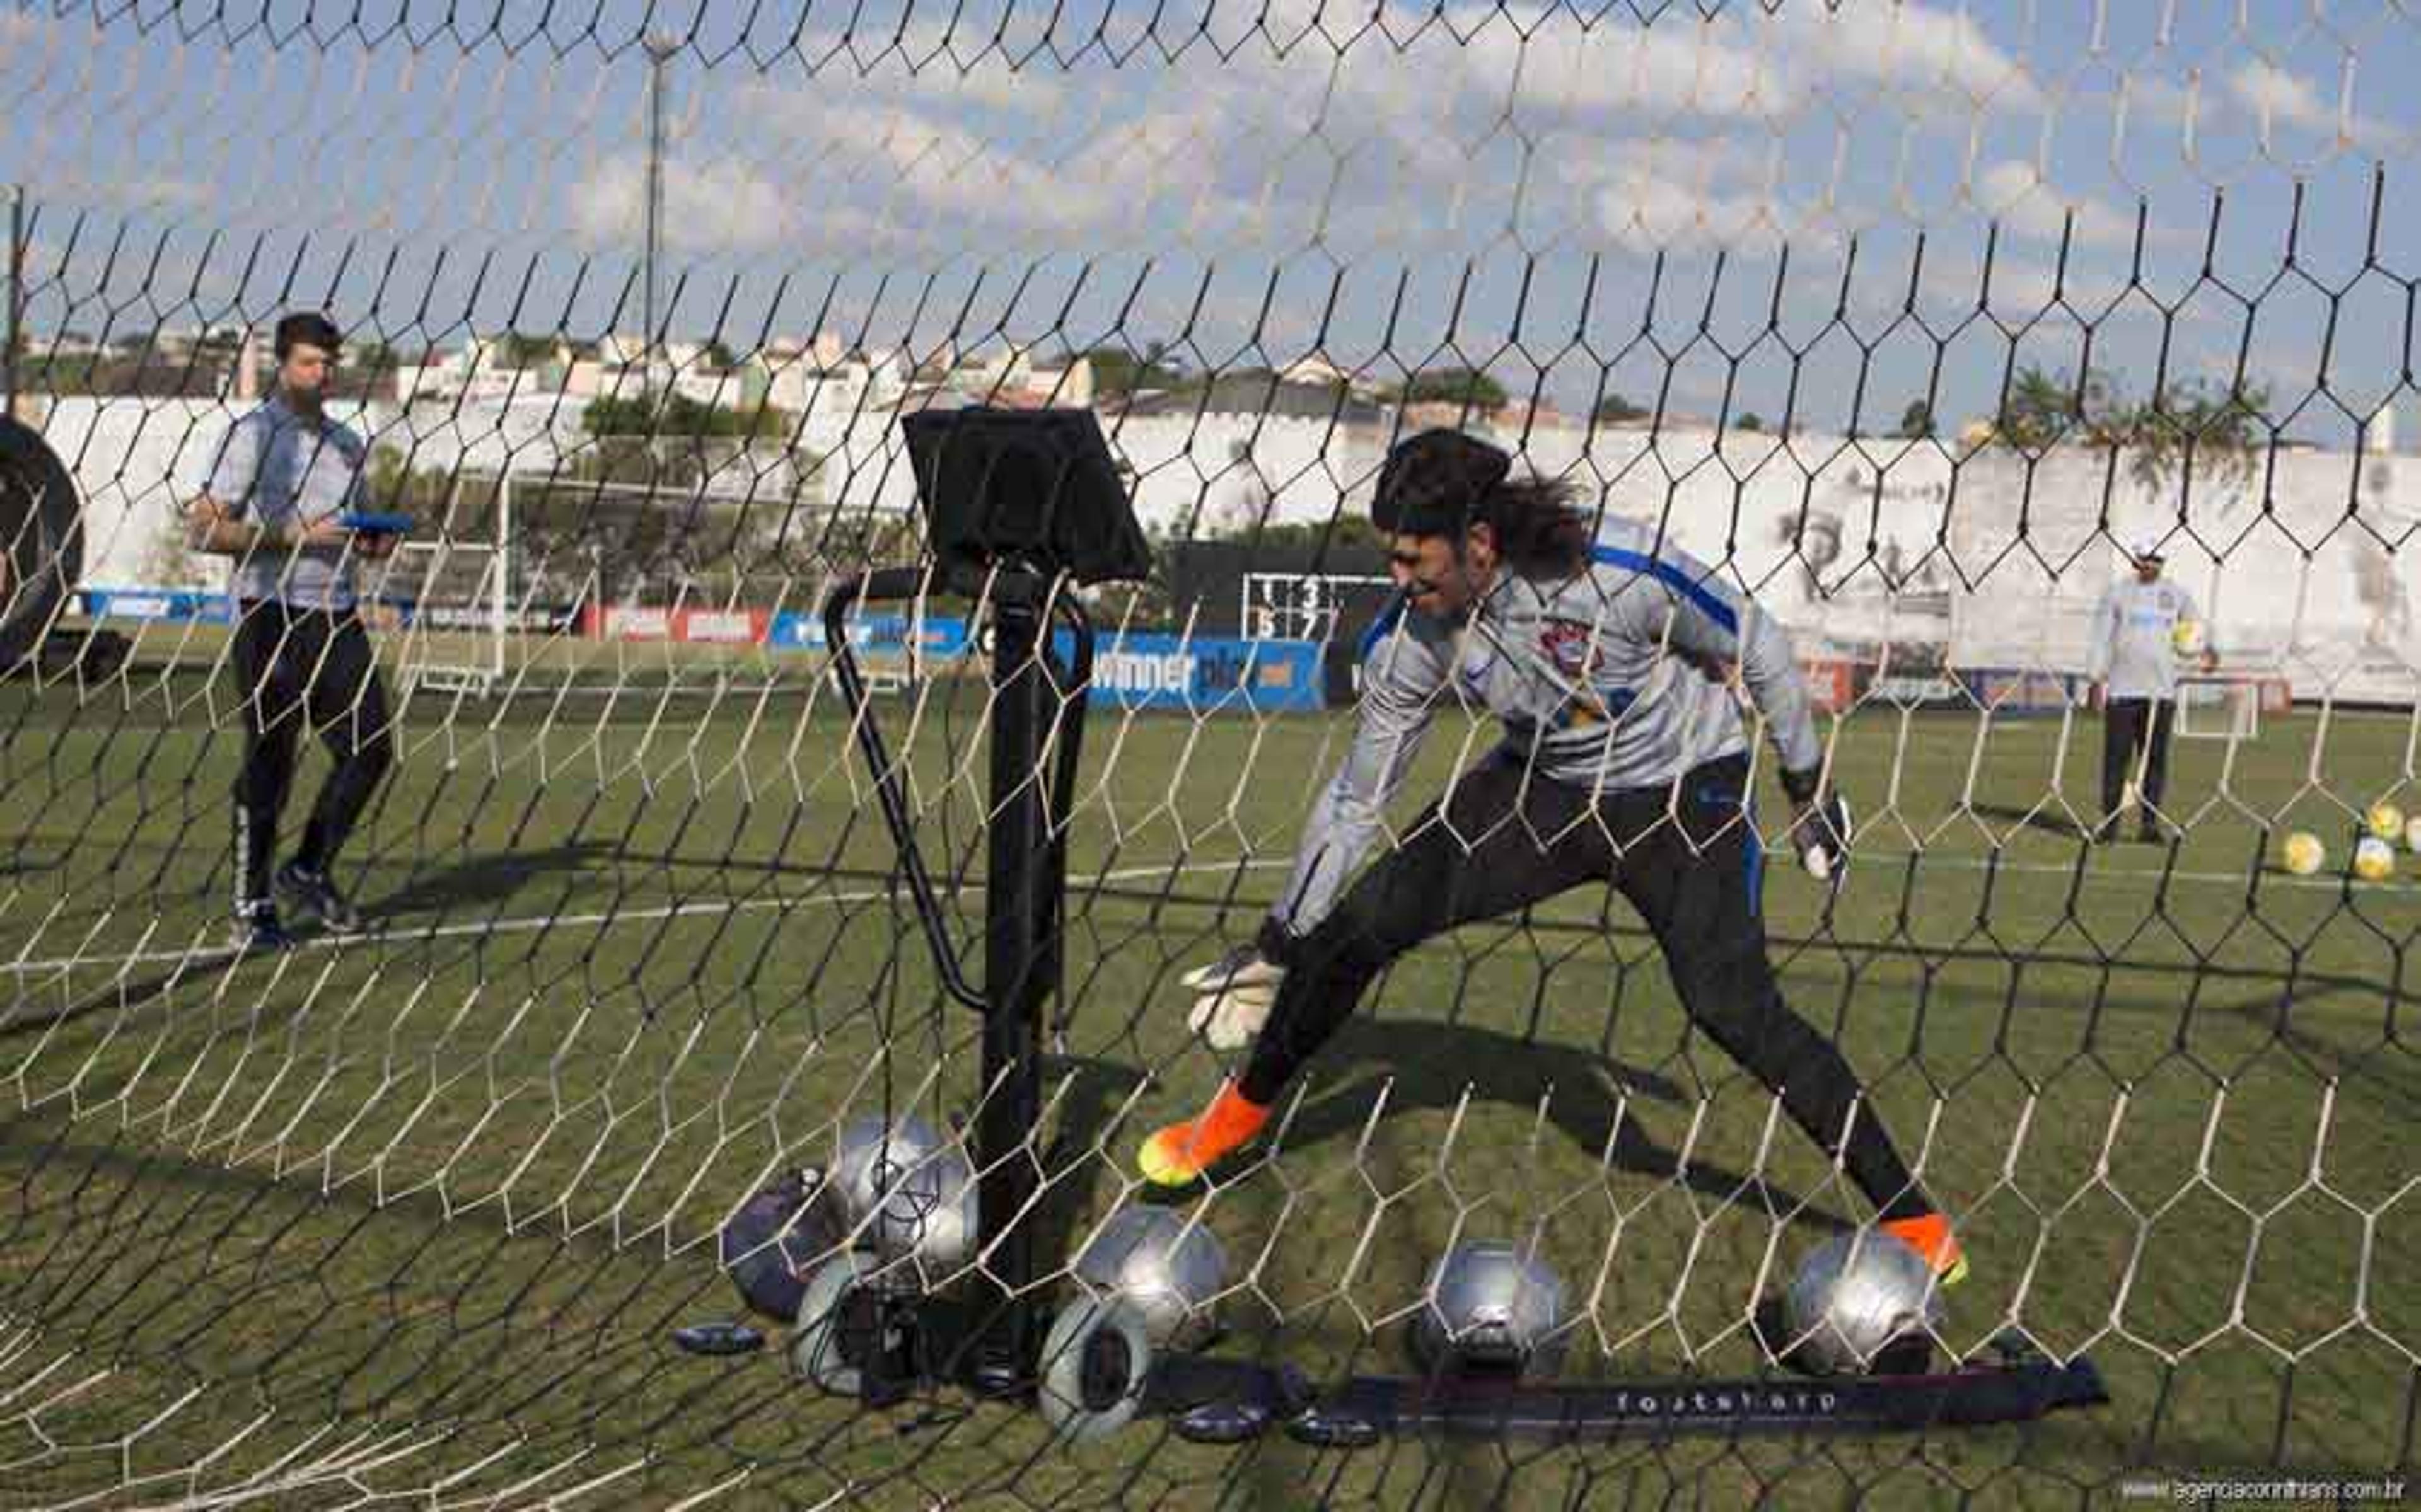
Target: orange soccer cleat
column 1929, row 1234
column 1178, row 1155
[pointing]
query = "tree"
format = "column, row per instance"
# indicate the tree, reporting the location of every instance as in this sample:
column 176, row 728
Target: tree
column 2219, row 429
column 2222, row 430
column 514, row 350
column 1466, row 386
column 1344, row 533
column 719, row 357
column 1118, row 372
column 1916, row 421
column 1749, row 420
column 1615, row 409
column 2040, row 410
column 677, row 414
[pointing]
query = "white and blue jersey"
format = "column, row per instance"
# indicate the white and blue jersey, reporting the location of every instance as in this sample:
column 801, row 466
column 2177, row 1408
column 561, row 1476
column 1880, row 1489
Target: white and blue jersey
column 281, row 468
column 2135, row 637
column 1611, row 680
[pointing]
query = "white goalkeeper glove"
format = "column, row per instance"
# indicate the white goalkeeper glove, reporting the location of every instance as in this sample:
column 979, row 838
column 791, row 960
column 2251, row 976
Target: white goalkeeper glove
column 1823, row 836
column 1232, row 996
column 1819, row 826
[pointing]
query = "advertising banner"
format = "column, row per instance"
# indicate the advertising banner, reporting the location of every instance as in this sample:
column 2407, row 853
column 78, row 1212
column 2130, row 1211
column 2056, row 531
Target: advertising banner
column 1208, row 674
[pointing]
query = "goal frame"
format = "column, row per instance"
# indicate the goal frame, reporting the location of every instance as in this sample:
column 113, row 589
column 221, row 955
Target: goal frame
column 2229, row 705
column 479, row 675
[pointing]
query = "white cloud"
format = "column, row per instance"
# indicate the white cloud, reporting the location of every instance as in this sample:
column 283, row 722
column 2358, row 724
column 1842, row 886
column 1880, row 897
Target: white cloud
column 938, row 63
column 2017, row 194
column 1913, row 55
column 2276, row 95
column 1682, row 193
column 710, row 206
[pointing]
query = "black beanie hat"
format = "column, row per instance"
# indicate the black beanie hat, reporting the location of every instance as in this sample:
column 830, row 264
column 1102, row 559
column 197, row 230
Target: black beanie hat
column 1432, row 483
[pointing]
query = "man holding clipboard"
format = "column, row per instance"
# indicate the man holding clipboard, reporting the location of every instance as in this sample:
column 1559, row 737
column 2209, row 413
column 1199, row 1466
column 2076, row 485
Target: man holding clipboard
column 282, row 503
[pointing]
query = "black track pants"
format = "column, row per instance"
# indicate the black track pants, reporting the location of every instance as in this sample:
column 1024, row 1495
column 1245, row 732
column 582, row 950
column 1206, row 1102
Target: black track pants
column 1503, row 844
column 293, row 667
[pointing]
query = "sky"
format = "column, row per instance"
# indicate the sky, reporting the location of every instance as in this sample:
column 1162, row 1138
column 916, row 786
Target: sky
column 1737, row 211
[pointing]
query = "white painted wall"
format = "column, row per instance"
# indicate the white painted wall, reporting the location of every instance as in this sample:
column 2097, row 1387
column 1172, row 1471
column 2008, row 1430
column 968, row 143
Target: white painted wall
column 2001, row 561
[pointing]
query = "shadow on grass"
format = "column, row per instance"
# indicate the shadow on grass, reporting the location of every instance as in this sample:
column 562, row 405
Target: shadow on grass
column 491, row 879
column 1435, row 1065
column 2047, row 819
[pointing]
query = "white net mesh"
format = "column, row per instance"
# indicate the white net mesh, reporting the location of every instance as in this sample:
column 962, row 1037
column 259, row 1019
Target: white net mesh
column 1909, row 322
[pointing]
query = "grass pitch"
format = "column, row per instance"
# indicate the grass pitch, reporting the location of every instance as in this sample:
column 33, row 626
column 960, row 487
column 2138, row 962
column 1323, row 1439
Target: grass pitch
column 417, row 1212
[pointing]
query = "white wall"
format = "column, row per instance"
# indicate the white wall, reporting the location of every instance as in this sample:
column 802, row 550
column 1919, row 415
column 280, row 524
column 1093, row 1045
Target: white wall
column 2002, row 562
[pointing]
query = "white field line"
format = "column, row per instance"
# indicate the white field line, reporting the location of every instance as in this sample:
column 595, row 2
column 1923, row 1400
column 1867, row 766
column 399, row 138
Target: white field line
column 532, row 924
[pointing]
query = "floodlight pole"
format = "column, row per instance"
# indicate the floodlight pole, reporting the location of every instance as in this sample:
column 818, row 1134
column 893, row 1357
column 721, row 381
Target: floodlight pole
column 661, row 48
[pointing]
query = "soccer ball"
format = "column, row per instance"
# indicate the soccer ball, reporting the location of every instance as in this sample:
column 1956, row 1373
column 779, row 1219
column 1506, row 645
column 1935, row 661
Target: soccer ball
column 904, row 1191
column 2385, row 820
column 1167, row 1270
column 2306, row 855
column 1492, row 1307
column 2374, row 859
column 769, row 1244
column 2190, row 638
column 1855, row 1295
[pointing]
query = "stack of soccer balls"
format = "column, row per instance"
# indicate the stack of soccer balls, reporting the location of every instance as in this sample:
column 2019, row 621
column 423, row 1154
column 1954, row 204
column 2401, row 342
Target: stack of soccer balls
column 2374, row 852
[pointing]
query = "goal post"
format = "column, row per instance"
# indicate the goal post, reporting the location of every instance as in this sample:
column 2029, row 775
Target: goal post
column 455, row 596
column 2228, row 706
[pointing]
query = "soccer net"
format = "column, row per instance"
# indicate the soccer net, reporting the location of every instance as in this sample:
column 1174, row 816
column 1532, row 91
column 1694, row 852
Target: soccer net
column 1900, row 325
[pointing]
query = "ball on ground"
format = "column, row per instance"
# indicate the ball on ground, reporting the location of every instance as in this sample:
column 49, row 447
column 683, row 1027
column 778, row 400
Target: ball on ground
column 2387, row 822
column 2305, row 854
column 906, row 1190
column 1855, row 1296
column 1492, row 1305
column 1166, row 1270
column 2413, row 834
column 2374, row 859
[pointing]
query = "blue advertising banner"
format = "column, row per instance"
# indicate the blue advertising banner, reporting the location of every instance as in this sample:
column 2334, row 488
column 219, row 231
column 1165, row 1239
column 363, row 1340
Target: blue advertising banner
column 869, row 633
column 1206, row 674
column 155, row 603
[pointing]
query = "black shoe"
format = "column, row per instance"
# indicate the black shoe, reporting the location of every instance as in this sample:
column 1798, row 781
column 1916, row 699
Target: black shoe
column 2152, row 835
column 313, row 894
column 257, row 932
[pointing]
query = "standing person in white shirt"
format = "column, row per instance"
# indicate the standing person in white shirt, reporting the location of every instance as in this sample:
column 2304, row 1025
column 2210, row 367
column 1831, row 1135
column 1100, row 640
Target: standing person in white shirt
column 2137, row 643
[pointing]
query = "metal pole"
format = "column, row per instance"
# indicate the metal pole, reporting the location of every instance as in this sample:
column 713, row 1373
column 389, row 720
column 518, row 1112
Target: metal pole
column 503, row 567
column 661, row 50
column 16, row 291
column 1018, row 957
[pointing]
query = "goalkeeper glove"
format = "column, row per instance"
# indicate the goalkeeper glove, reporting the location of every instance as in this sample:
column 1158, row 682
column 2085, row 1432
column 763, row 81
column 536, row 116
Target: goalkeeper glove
column 1822, row 831
column 1232, row 995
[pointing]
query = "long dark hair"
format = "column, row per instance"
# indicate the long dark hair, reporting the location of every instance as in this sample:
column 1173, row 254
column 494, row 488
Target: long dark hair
column 1539, row 528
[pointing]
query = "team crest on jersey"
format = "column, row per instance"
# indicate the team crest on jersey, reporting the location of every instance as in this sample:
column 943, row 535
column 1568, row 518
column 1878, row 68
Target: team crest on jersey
column 1570, row 646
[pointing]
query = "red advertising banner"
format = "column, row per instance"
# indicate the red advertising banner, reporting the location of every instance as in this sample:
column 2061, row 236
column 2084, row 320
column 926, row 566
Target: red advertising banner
column 720, row 627
column 696, row 627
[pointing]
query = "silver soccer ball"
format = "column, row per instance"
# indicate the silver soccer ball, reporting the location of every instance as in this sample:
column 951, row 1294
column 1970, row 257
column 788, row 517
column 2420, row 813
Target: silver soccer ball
column 906, row 1192
column 1492, row 1307
column 1854, row 1295
column 1160, row 1268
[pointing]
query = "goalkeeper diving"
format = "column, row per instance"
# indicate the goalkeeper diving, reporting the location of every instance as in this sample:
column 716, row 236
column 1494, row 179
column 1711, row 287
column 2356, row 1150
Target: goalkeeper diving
column 1609, row 657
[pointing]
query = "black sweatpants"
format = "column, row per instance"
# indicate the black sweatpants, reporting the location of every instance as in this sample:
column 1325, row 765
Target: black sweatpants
column 295, row 666
column 1504, row 844
column 2128, row 725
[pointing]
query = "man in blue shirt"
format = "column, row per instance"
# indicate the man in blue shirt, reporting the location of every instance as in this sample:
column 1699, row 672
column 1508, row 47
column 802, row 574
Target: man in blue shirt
column 277, row 488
